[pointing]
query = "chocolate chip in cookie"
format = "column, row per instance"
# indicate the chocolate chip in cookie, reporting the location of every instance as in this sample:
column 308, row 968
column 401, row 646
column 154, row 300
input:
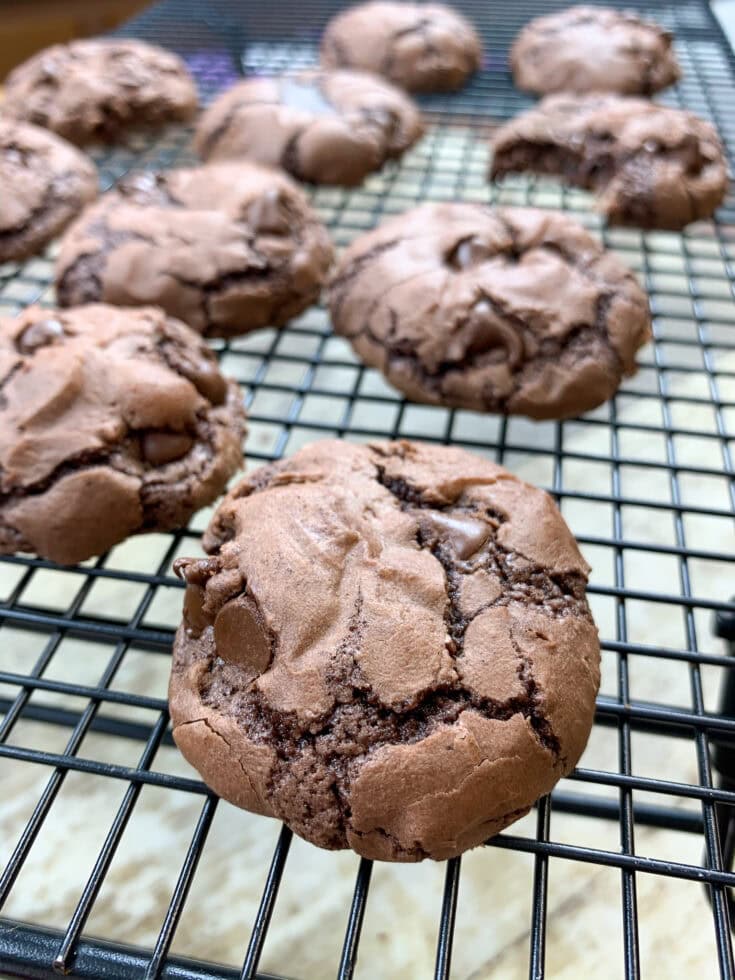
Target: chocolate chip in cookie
column 511, row 310
column 112, row 422
column 323, row 127
column 652, row 166
column 227, row 248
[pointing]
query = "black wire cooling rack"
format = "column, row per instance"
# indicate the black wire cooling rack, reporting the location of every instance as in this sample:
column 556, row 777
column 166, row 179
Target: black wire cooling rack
column 646, row 483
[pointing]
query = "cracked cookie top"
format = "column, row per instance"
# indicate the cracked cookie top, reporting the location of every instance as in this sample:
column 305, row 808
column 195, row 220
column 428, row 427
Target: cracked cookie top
column 227, row 248
column 94, row 89
column 511, row 310
column 426, row 47
column 45, row 182
column 593, row 49
column 112, row 421
column 653, row 166
column 324, row 127
column 389, row 648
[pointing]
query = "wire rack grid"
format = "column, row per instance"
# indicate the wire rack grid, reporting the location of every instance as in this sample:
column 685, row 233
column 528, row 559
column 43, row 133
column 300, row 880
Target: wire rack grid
column 118, row 862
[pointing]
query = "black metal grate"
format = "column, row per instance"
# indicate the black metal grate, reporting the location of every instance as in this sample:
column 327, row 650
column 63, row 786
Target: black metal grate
column 646, row 483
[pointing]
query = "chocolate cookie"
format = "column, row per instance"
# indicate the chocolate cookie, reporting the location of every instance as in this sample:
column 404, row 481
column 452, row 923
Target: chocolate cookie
column 95, row 89
column 653, row 167
column 593, row 49
column 389, row 649
column 112, row 422
column 510, row 310
column 226, row 248
column 323, row 127
column 44, row 183
column 421, row 47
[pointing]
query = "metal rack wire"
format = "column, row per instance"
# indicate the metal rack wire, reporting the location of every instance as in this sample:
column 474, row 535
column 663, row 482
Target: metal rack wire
column 646, row 483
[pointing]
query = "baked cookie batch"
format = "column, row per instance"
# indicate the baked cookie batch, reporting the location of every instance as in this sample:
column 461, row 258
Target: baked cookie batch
column 388, row 646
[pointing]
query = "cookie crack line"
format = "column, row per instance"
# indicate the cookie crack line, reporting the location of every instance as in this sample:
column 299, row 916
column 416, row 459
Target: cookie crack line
column 560, row 587
column 458, row 623
column 420, row 27
column 5, row 381
column 108, row 456
column 341, row 282
column 208, row 142
column 218, row 734
column 85, row 460
column 541, row 725
column 93, row 262
column 212, row 289
column 290, row 157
